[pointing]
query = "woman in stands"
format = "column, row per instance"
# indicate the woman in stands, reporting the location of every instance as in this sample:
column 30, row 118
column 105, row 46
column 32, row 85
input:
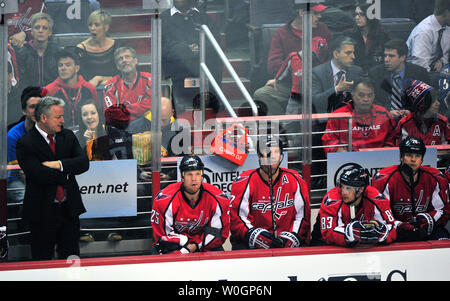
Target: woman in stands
column 369, row 37
column 90, row 122
column 97, row 52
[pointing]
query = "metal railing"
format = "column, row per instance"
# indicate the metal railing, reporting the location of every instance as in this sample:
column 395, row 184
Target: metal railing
column 206, row 74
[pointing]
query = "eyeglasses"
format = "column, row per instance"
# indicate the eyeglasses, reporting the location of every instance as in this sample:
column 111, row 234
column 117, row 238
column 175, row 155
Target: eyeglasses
column 359, row 14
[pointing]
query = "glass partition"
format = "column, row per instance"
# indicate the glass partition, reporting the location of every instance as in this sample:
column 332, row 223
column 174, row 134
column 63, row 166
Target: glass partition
column 367, row 79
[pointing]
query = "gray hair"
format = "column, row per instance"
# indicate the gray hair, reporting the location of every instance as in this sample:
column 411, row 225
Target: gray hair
column 42, row 16
column 123, row 49
column 44, row 104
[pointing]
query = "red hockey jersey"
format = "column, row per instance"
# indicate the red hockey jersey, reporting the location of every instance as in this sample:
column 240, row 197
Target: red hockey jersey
column 335, row 215
column 172, row 214
column 434, row 131
column 72, row 96
column 137, row 97
column 430, row 193
column 251, row 205
column 368, row 130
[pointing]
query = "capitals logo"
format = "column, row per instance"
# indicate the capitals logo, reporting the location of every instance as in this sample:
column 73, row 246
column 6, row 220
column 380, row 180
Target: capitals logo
column 265, row 205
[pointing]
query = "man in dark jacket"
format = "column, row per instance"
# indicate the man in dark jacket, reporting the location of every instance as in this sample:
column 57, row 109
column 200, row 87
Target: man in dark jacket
column 181, row 52
column 51, row 157
column 383, row 77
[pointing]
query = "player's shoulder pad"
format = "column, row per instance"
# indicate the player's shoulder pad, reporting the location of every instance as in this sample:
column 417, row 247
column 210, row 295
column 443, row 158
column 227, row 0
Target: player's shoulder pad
column 433, row 171
column 385, row 172
column 331, row 199
column 216, row 192
column 168, row 192
column 293, row 172
column 244, row 176
column 374, row 194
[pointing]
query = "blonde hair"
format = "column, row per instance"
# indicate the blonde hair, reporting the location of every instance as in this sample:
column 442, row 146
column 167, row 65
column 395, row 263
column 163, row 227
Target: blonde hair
column 102, row 15
column 42, row 16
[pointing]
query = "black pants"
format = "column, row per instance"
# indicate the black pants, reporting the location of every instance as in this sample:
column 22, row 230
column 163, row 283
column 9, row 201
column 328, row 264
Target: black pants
column 61, row 230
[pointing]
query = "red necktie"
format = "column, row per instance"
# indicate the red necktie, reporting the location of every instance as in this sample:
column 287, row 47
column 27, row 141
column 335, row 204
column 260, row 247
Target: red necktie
column 60, row 190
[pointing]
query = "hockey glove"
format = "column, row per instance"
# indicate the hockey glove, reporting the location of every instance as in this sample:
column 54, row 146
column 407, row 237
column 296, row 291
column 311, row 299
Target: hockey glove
column 171, row 243
column 359, row 232
column 425, row 222
column 381, row 230
column 290, row 240
column 259, row 238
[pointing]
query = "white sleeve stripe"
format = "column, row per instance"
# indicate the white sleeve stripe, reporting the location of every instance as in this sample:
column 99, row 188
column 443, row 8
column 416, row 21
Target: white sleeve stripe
column 299, row 204
column 216, row 222
column 438, row 205
column 244, row 207
column 168, row 217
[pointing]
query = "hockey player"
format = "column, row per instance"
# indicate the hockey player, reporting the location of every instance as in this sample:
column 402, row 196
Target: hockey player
column 190, row 215
column 425, row 217
column 355, row 213
column 270, row 205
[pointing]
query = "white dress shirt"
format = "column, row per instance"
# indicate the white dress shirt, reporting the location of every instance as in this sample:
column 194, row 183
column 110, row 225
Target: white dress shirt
column 422, row 43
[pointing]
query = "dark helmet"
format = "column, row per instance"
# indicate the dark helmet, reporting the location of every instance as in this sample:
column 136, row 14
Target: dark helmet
column 268, row 141
column 355, row 177
column 412, row 145
column 191, row 162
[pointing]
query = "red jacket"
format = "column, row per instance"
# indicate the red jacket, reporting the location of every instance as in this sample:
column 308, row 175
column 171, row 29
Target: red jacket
column 433, row 131
column 72, row 96
column 285, row 40
column 292, row 66
column 369, row 130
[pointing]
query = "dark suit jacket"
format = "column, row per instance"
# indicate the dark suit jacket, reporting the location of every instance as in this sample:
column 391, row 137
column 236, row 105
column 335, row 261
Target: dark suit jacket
column 42, row 181
column 325, row 99
column 383, row 84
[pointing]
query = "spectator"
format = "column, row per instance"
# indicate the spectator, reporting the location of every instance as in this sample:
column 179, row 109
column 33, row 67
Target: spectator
column 19, row 24
column 90, row 120
column 190, row 216
column 97, row 52
column 181, row 52
column 424, row 218
column 131, row 87
column 372, row 124
column 174, row 136
column 369, row 36
column 354, row 213
column 255, row 224
column 170, row 127
column 293, row 68
column 30, row 97
column 13, row 92
column 429, row 41
column 115, row 145
column 424, row 121
column 333, row 80
column 71, row 87
column 392, row 78
column 37, row 58
column 285, row 41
